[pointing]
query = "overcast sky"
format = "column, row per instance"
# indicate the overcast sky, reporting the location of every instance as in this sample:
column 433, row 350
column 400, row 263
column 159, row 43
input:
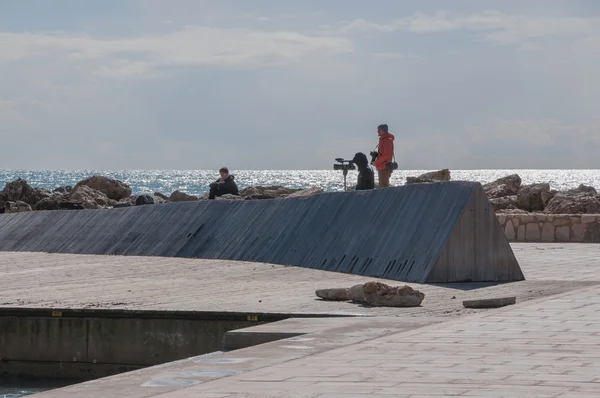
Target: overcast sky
column 272, row 84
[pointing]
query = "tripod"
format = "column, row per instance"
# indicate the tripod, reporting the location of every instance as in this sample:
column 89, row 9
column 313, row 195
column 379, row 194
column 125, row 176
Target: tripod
column 345, row 172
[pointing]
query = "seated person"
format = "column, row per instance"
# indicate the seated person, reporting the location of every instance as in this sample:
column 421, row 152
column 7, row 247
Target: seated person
column 224, row 185
column 366, row 176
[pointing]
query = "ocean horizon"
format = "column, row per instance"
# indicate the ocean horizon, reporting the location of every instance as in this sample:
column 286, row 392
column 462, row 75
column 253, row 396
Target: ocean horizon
column 196, row 182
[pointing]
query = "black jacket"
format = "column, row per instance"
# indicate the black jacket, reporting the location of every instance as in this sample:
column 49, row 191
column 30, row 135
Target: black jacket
column 225, row 187
column 366, row 179
column 366, row 176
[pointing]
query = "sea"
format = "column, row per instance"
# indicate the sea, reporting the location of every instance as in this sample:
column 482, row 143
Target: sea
column 196, row 182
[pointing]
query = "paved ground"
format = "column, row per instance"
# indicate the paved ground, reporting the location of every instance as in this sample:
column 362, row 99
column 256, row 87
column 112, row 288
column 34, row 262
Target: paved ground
column 545, row 346
column 79, row 281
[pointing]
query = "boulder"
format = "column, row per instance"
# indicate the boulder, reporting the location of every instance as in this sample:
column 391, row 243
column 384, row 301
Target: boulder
column 305, row 193
column 505, row 202
column 429, row 178
column 419, row 180
column 438, row 176
column 71, row 206
column 20, row 190
column 90, row 198
column 16, row 207
column 52, row 202
column 159, row 199
column 530, row 197
column 511, row 210
column 379, row 294
column 144, row 200
column 582, row 189
column 113, row 189
column 505, row 186
column 160, row 195
column 339, row 294
column 15, row 190
column 229, row 197
column 179, row 196
column 65, row 189
column 574, row 203
column 547, row 197
column 270, row 192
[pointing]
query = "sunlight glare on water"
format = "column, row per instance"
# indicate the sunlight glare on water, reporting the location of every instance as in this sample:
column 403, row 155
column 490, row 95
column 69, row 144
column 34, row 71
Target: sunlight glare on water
column 196, row 182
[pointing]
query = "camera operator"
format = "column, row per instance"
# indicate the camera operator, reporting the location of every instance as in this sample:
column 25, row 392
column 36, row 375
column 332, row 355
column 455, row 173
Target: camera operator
column 224, row 185
column 366, row 176
column 385, row 156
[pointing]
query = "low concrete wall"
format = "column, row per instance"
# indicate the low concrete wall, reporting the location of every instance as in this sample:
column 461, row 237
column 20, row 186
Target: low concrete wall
column 82, row 347
column 536, row 227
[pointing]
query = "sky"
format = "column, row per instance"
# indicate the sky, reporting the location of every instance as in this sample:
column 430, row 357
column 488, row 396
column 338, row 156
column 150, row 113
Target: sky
column 271, row 84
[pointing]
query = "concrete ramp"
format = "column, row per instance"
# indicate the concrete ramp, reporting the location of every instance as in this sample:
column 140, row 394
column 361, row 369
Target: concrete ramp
column 444, row 232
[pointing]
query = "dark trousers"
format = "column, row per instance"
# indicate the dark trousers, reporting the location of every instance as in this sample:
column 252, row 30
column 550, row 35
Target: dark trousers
column 214, row 192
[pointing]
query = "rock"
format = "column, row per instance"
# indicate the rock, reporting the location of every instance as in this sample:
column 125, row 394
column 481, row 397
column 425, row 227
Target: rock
column 130, row 201
column 340, row 294
column 16, row 207
column 419, row 180
column 271, row 192
column 512, row 211
column 530, row 197
column 52, row 202
column 490, row 303
column 504, row 202
column 113, row 189
column 229, row 197
column 438, row 176
column 65, row 189
column 305, row 193
column 159, row 199
column 90, row 198
column 14, row 190
column 574, row 203
column 582, row 189
column 144, row 200
column 160, row 195
column 20, row 190
column 379, row 294
column 71, row 206
column 357, row 294
column 505, row 186
column 547, row 197
column 179, row 196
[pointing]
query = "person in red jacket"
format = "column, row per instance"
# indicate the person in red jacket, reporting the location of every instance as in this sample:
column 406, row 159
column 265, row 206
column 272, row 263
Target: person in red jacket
column 385, row 155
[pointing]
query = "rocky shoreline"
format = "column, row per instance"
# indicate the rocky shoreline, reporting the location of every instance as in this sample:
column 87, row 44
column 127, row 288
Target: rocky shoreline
column 507, row 195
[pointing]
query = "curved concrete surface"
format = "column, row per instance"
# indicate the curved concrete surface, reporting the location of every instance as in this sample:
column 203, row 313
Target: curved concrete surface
column 403, row 233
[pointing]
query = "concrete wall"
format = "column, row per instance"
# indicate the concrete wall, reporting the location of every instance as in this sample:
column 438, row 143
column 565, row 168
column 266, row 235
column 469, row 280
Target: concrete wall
column 87, row 348
column 580, row 228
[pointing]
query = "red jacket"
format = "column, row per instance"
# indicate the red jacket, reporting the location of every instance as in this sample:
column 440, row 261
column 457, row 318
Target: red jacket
column 386, row 151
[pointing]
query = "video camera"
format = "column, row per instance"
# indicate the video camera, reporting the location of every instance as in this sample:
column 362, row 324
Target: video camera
column 345, row 165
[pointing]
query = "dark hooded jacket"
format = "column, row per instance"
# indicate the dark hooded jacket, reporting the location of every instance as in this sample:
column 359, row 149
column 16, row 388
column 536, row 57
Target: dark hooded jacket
column 225, row 187
column 366, row 177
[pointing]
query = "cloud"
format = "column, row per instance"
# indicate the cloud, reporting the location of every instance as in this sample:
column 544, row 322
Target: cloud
column 145, row 56
column 492, row 26
column 393, row 55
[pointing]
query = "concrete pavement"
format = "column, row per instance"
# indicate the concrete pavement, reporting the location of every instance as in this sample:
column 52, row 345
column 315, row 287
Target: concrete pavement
column 544, row 346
